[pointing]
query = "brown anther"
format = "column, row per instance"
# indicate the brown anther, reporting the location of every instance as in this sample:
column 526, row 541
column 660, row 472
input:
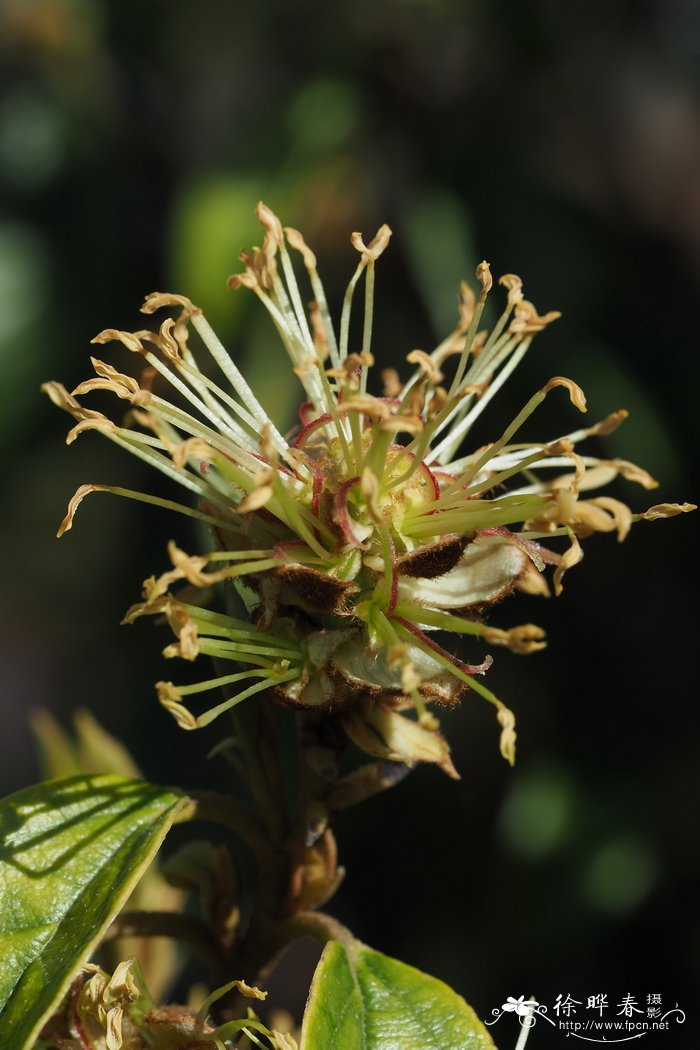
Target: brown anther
column 156, row 300
column 568, row 559
column 467, row 303
column 171, row 700
column 167, row 342
column 354, row 362
column 347, row 373
column 369, row 406
column 270, row 221
column 402, row 422
column 191, row 448
column 427, row 365
column 576, row 394
column 562, row 447
column 410, row 678
column 296, row 241
column 318, row 332
column 127, row 339
column 667, row 510
column 308, row 364
column 610, row 423
column 74, row 503
column 396, row 655
column 95, row 422
column 514, row 284
column 371, row 252
column 391, row 382
column 506, row 720
column 631, row 472
column 437, row 402
column 267, row 446
column 60, row 397
column 183, row 626
column 478, row 343
column 483, row 276
column 109, row 379
column 255, row 499
column 527, row 321
column 532, row 581
column 242, row 280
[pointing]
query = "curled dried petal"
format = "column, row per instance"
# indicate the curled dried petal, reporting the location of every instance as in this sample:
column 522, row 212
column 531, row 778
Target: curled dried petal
column 390, row 735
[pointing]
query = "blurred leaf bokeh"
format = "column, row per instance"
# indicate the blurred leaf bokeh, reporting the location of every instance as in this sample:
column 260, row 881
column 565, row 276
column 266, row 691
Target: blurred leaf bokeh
column 562, row 144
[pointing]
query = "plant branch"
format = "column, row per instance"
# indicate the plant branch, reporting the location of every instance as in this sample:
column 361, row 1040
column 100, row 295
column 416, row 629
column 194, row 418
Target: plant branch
column 173, row 925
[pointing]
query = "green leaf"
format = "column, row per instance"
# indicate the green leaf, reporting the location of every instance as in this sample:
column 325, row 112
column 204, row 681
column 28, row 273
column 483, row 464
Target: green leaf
column 363, row 1000
column 71, row 852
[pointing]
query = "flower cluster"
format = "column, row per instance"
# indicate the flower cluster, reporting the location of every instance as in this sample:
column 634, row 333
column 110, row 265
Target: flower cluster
column 348, row 544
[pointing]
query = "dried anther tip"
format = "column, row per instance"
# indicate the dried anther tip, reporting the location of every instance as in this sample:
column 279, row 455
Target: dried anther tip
column 371, row 252
column 483, row 276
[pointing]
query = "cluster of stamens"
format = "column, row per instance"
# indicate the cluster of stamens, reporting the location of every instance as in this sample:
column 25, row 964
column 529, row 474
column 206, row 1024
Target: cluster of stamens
column 348, row 544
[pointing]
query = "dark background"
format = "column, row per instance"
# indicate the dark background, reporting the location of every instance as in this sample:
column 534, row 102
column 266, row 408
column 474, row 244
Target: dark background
column 558, row 141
